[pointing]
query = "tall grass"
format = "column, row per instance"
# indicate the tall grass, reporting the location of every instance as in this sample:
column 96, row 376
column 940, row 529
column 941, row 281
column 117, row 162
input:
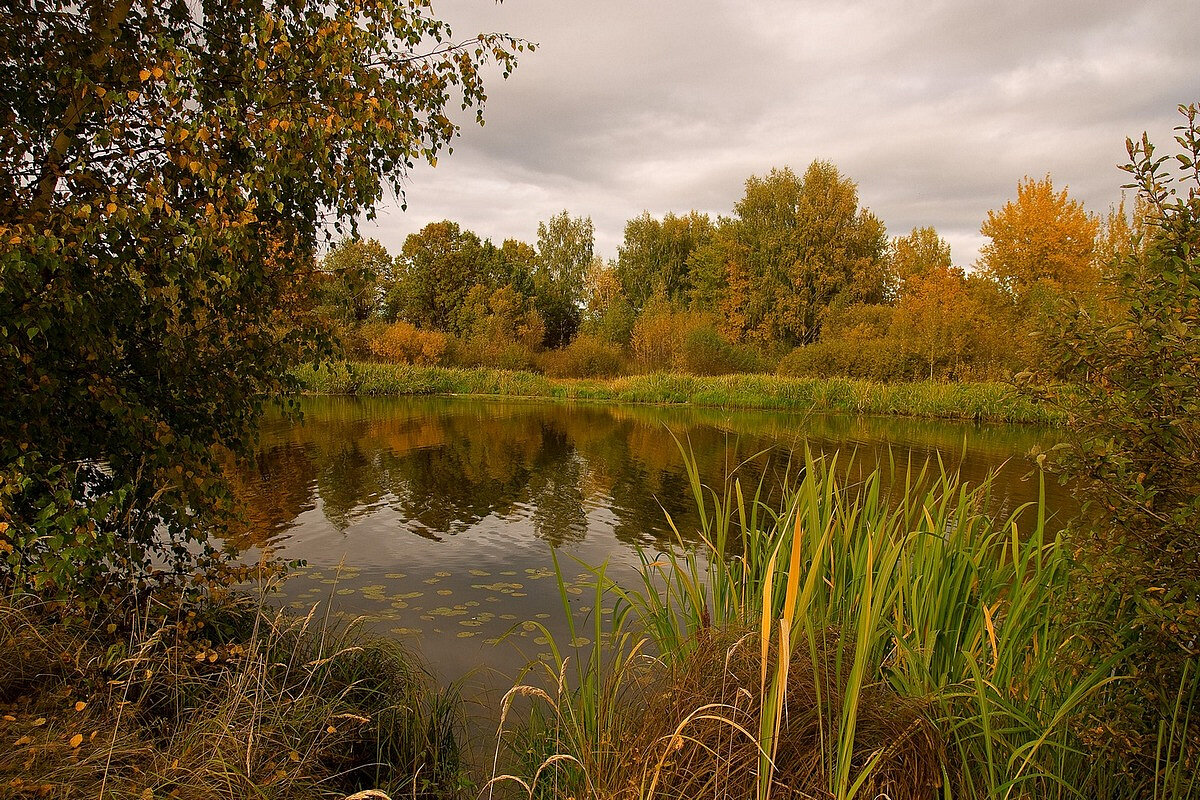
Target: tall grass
column 272, row 706
column 994, row 402
column 883, row 638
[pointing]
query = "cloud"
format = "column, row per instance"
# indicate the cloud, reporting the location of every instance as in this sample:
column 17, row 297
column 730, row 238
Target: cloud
column 935, row 109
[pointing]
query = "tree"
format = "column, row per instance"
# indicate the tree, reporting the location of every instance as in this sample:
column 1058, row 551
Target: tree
column 166, row 172
column 564, row 249
column 435, row 271
column 1131, row 389
column 608, row 314
column 1042, row 240
column 352, row 273
column 795, row 246
column 918, row 254
column 654, row 257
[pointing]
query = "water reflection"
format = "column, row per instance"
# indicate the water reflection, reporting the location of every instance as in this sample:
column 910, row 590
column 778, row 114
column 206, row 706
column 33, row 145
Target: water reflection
column 441, row 511
column 442, row 465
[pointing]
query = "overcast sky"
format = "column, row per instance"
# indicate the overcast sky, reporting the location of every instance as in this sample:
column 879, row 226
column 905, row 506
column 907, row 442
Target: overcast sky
column 935, row 109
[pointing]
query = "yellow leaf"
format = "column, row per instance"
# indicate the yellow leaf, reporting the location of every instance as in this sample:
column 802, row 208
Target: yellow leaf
column 39, row 722
column 294, row 756
column 22, row 740
column 76, row 740
column 144, row 75
column 157, row 72
column 80, row 706
column 260, row 64
column 331, row 729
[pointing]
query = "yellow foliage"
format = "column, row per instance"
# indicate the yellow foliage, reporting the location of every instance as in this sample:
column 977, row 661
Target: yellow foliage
column 403, row 343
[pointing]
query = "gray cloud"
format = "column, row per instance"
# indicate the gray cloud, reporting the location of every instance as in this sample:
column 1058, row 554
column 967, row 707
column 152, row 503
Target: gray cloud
column 936, row 109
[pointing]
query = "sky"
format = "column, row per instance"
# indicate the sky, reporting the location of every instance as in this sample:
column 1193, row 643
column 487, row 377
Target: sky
column 935, row 109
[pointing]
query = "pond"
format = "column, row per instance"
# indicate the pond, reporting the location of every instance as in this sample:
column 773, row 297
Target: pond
column 434, row 518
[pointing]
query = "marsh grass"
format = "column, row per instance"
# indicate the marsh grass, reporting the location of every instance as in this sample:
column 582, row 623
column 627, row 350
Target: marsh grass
column 992, row 402
column 275, row 706
column 847, row 640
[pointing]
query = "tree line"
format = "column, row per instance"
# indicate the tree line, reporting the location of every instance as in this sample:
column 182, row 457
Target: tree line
column 799, row 279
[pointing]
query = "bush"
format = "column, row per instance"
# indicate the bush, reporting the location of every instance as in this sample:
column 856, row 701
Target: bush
column 403, row 343
column 878, row 360
column 494, row 353
column 1130, row 390
column 586, row 357
column 706, row 352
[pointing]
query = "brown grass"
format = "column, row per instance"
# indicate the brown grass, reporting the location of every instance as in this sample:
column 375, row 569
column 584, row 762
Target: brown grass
column 277, row 708
column 695, row 737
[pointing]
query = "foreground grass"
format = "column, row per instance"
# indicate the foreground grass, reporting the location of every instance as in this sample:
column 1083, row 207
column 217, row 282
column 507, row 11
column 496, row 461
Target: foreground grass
column 253, row 704
column 983, row 402
column 839, row 643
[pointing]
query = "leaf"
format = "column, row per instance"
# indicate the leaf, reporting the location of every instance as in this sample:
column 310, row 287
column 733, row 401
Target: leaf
column 76, row 740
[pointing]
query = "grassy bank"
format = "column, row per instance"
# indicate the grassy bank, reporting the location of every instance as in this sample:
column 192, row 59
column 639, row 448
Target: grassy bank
column 249, row 704
column 985, row 402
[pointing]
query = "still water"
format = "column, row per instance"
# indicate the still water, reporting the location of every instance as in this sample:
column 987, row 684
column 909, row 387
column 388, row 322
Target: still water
column 434, row 519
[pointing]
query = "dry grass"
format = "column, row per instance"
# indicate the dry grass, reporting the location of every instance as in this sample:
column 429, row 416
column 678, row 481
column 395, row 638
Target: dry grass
column 272, row 707
column 694, row 737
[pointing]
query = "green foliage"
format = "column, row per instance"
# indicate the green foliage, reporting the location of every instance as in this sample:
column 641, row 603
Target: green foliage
column 805, row 624
column 435, row 273
column 654, row 257
column 166, row 171
column 990, row 402
column 351, row 278
column 564, row 253
column 865, row 359
column 1130, row 385
column 706, row 352
column 585, row 357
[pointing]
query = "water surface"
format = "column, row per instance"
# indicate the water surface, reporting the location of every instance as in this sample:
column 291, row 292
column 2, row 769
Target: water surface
column 435, row 517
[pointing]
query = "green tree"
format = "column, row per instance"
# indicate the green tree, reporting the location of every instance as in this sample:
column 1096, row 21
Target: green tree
column 434, row 274
column 352, row 275
column 564, row 249
column 1131, row 389
column 608, row 314
column 166, row 172
column 654, row 256
column 796, row 245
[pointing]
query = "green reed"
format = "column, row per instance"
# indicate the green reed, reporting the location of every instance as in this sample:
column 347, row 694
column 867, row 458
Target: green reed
column 900, row 587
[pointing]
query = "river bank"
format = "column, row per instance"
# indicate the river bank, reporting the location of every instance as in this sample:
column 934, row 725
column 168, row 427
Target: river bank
column 979, row 402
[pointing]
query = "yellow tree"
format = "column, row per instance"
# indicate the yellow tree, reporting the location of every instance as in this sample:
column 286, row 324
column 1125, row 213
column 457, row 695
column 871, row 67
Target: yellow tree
column 917, row 254
column 1042, row 240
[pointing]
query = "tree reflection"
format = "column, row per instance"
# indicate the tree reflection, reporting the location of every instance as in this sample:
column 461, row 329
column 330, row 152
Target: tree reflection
column 445, row 465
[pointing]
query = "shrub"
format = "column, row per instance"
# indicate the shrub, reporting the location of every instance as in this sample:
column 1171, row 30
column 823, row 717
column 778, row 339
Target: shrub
column 403, row 343
column 495, row 353
column 586, row 357
column 706, row 352
column 877, row 359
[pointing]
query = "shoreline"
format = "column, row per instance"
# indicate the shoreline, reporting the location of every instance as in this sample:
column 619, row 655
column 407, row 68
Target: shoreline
column 966, row 402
